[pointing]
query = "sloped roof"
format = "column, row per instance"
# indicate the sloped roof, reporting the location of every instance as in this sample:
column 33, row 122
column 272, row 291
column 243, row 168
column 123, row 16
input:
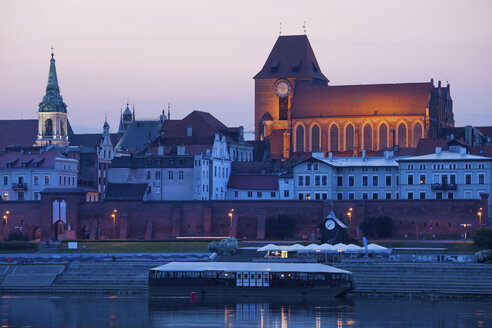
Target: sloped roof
column 42, row 160
column 291, row 57
column 486, row 130
column 92, row 140
column 253, row 182
column 22, row 132
column 138, row 135
column 360, row 100
column 202, row 123
column 125, row 191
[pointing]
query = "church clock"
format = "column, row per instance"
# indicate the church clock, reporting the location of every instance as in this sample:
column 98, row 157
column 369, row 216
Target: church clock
column 282, row 88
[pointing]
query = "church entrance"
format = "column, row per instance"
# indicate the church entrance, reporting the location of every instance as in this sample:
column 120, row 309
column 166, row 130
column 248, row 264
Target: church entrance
column 36, row 234
column 59, row 228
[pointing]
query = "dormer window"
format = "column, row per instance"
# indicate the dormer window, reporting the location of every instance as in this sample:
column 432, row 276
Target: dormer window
column 274, row 66
column 296, row 65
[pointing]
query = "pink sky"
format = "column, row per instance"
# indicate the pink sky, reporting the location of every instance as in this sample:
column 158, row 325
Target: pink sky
column 203, row 54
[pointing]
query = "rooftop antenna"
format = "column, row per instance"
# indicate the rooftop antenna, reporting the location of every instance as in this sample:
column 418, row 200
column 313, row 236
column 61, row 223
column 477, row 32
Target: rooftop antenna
column 304, row 27
column 168, row 111
column 280, row 31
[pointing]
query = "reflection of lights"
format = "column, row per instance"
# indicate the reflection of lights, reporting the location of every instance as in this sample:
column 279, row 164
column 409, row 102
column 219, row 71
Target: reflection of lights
column 113, row 296
column 318, row 320
column 350, row 322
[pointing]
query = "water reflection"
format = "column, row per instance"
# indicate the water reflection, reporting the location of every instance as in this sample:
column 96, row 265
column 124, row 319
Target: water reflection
column 142, row 311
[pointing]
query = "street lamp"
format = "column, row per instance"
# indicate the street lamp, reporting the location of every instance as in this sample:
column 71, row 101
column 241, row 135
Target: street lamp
column 480, row 218
column 113, row 216
column 6, row 218
column 231, row 213
column 466, row 225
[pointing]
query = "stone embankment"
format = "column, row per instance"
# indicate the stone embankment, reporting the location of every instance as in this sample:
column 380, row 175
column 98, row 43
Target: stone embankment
column 426, row 279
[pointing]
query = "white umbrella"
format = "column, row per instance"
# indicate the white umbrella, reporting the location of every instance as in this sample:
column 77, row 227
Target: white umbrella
column 269, row 247
column 294, row 248
column 340, row 246
column 327, row 248
column 351, row 248
column 375, row 248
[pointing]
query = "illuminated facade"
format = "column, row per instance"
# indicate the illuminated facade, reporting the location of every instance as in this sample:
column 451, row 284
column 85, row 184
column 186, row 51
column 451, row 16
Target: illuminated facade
column 299, row 112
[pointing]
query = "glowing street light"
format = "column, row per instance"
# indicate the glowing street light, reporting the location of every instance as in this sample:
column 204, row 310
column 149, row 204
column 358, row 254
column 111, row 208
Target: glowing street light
column 480, row 218
column 113, row 216
column 6, row 218
column 231, row 213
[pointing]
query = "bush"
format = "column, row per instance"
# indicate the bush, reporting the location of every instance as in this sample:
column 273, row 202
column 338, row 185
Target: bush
column 377, row 227
column 18, row 244
column 17, row 235
column 484, row 256
column 483, row 238
column 227, row 246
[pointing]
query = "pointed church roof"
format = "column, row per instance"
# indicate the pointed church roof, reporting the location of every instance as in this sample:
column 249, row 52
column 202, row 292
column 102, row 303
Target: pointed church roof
column 52, row 100
column 291, row 57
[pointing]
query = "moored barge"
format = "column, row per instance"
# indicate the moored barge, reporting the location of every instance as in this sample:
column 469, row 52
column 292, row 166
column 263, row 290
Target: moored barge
column 249, row 279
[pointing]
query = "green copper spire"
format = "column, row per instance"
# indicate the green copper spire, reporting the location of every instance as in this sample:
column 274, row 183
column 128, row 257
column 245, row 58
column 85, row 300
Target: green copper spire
column 52, row 100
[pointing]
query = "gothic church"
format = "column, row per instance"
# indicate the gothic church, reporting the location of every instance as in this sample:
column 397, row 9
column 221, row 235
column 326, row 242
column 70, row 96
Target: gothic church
column 298, row 112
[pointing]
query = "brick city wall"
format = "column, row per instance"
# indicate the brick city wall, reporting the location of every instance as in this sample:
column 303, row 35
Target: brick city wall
column 168, row 219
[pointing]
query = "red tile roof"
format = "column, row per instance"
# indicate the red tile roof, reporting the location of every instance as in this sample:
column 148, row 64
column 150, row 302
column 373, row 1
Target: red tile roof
column 361, row 100
column 291, row 57
column 253, row 182
column 44, row 160
column 21, row 132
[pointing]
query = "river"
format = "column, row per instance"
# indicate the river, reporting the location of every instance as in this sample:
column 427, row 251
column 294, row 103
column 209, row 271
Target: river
column 142, row 311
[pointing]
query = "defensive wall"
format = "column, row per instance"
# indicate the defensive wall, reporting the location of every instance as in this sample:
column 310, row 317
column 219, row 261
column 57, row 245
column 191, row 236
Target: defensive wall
column 169, row 219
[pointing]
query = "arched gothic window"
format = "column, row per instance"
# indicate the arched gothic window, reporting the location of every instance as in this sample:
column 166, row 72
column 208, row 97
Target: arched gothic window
column 48, row 127
column 383, row 136
column 334, row 138
column 417, row 134
column 349, row 137
column 368, row 137
column 300, row 138
column 315, row 138
column 402, row 135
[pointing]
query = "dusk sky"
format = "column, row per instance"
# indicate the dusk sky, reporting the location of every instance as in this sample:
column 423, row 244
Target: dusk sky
column 202, row 55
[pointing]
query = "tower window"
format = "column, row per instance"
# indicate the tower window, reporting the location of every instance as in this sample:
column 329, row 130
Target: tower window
column 283, row 108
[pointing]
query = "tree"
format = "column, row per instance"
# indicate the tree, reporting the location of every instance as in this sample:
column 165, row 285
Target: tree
column 377, row 227
column 483, row 238
column 281, row 227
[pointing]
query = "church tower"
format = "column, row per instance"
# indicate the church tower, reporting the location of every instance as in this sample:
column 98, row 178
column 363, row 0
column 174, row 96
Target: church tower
column 104, row 157
column 52, row 113
column 126, row 119
column 290, row 62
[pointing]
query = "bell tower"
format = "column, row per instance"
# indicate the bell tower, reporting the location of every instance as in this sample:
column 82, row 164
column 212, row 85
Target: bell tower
column 291, row 61
column 52, row 113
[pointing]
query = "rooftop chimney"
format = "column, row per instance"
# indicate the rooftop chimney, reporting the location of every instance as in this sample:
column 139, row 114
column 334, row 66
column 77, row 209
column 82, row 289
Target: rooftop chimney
column 438, row 150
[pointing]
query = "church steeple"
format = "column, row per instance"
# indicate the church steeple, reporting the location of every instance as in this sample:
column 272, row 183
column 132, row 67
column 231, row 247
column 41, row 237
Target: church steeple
column 52, row 112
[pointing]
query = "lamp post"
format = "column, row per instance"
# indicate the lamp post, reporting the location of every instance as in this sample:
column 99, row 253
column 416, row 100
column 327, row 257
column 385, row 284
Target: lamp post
column 6, row 218
column 231, row 214
column 113, row 216
column 480, row 218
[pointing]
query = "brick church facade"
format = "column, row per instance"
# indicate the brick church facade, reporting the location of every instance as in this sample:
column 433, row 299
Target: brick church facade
column 299, row 112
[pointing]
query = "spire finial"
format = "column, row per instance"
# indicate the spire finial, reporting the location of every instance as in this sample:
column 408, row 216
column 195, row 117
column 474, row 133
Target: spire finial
column 304, row 27
column 168, row 111
column 280, row 31
column 106, row 117
column 52, row 54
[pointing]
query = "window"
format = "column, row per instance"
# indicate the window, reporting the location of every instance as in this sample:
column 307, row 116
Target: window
column 300, row 138
column 351, row 195
column 402, row 135
column 422, row 179
column 307, row 180
column 317, row 180
column 5, row 195
column 417, row 134
column 439, row 195
column 180, row 175
column 375, row 195
column 157, row 175
column 365, row 180
column 450, row 195
column 339, row 180
column 20, row 195
column 388, row 195
column 339, row 195
column 422, row 195
column 452, row 179
column 324, row 196
column 301, row 180
column 36, row 195
column 315, row 166
column 309, row 166
column 388, row 180
column 315, row 138
column 383, row 136
column 171, row 175
column 375, row 180
column 301, row 196
column 410, row 195
column 158, row 190
column 481, row 178
column 46, row 179
column 148, row 175
column 250, row 194
column 259, row 194
column 334, row 138
column 349, row 137
column 273, row 194
column 324, row 180
column 36, row 180
column 410, row 179
column 468, row 178
column 5, row 180
column 307, row 196
column 351, row 180
column 368, row 137
column 317, row 196
column 286, row 193
column 364, row 195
